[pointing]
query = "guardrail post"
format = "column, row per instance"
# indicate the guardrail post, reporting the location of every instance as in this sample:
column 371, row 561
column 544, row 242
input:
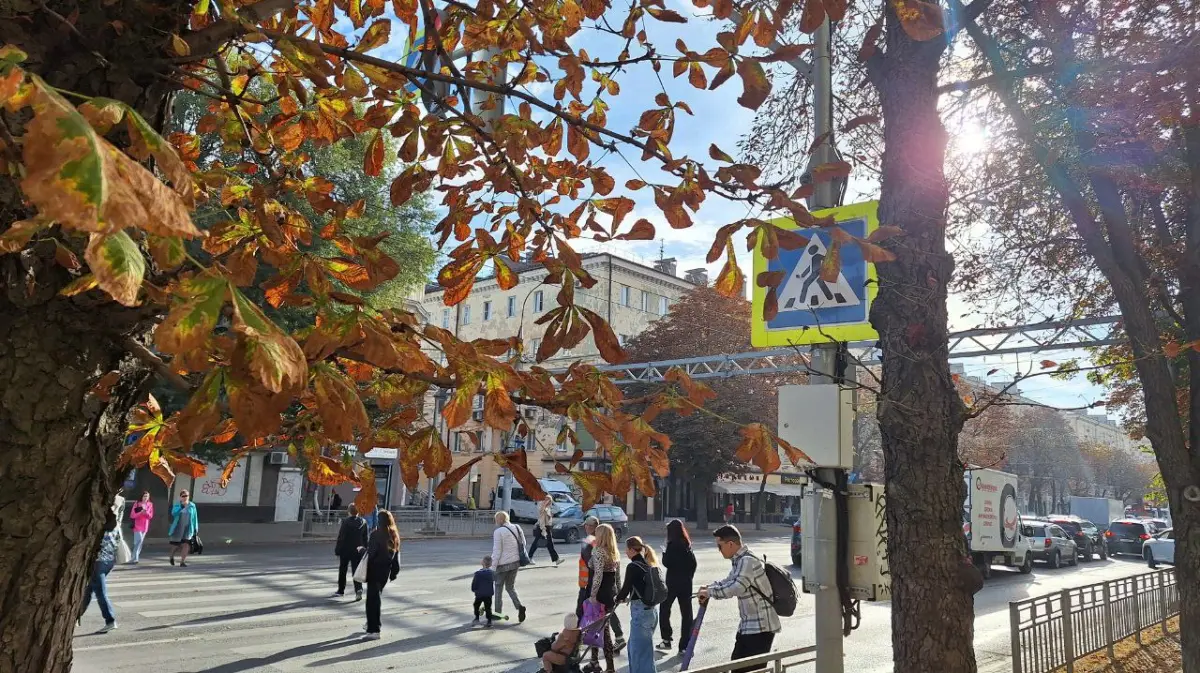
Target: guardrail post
column 1014, row 630
column 1108, row 623
column 1068, row 630
column 1164, row 611
column 1137, row 612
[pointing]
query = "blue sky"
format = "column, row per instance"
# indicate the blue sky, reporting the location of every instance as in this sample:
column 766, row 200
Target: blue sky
column 721, row 120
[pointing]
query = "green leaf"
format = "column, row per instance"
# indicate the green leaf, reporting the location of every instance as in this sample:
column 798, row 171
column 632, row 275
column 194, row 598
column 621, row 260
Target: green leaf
column 118, row 265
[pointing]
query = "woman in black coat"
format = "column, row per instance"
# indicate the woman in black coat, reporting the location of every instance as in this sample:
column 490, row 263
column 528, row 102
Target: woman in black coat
column 681, row 569
column 383, row 564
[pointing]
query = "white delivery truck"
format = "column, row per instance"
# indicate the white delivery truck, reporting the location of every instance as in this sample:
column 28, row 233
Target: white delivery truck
column 1100, row 511
column 992, row 522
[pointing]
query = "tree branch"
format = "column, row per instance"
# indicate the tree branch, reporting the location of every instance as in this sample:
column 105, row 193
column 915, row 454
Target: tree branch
column 205, row 39
column 156, row 363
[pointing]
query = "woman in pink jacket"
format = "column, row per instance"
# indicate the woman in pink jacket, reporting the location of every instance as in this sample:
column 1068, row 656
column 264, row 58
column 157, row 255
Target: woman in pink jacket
column 143, row 511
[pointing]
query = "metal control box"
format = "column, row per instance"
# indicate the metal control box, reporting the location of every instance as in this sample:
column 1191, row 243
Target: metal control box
column 819, row 420
column 867, row 557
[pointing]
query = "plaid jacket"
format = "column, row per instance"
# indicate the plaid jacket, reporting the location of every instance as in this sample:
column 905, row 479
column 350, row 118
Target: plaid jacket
column 757, row 614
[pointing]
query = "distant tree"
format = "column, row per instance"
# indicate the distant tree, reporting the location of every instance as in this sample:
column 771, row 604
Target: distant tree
column 704, row 322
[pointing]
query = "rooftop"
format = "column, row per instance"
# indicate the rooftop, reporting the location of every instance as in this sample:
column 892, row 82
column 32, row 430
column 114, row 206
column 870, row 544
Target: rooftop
column 521, row 266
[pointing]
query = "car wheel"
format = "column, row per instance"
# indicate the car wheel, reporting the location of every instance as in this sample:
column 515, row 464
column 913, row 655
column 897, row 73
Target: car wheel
column 1056, row 560
column 985, row 569
column 572, row 536
column 1027, row 566
column 1148, row 554
column 512, row 516
column 796, row 561
column 1087, row 552
column 1074, row 560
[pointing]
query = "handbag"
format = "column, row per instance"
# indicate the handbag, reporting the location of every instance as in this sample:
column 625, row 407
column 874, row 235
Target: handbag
column 196, row 545
column 123, row 554
column 544, row 645
column 522, row 553
column 593, row 634
column 360, row 573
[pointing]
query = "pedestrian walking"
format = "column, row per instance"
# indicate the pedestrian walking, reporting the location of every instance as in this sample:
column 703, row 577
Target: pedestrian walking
column 352, row 541
column 585, row 578
column 680, row 562
column 543, row 530
column 142, row 513
column 642, row 617
column 383, row 564
column 508, row 541
column 470, row 502
column 335, row 503
column 483, row 585
column 747, row 582
column 606, row 577
column 185, row 524
column 729, row 513
column 98, row 585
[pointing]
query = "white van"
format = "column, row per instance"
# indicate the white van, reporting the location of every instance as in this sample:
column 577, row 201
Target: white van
column 523, row 508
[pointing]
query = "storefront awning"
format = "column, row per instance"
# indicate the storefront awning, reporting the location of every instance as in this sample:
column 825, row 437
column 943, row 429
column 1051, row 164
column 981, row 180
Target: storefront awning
column 735, row 487
column 786, row 489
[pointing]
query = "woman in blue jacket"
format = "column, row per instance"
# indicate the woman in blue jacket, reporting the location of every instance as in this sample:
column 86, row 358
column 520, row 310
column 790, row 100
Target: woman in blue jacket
column 185, row 524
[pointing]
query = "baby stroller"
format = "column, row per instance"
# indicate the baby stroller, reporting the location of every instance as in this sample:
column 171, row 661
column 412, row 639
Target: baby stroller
column 575, row 660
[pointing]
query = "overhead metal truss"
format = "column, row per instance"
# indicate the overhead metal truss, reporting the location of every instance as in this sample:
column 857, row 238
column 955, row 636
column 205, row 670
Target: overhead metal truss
column 973, row 343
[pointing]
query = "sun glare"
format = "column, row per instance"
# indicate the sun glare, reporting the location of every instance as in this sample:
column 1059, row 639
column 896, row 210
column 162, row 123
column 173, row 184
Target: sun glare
column 971, row 139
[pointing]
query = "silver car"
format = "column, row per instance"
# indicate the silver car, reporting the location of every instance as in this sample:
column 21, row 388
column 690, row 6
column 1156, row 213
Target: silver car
column 1050, row 543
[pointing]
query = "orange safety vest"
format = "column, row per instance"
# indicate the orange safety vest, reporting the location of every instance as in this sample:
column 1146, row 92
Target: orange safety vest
column 583, row 566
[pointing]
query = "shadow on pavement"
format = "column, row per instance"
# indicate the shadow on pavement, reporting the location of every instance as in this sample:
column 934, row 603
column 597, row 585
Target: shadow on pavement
column 396, row 647
column 256, row 663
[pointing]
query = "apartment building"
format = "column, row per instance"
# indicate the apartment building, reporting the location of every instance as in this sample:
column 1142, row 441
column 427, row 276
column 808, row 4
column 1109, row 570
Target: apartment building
column 628, row 294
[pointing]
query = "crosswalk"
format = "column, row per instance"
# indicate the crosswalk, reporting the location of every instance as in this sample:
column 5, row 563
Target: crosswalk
column 270, row 611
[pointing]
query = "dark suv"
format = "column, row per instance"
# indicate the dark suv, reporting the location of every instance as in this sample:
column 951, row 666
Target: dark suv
column 1089, row 539
column 1125, row 536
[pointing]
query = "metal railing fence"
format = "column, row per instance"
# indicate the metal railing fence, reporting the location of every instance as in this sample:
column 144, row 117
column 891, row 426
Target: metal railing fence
column 1052, row 631
column 782, row 661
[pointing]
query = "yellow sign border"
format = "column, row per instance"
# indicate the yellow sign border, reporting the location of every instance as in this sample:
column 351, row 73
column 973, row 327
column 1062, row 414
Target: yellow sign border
column 761, row 337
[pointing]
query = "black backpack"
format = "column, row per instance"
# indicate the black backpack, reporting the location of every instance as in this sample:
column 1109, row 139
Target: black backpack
column 783, row 599
column 654, row 589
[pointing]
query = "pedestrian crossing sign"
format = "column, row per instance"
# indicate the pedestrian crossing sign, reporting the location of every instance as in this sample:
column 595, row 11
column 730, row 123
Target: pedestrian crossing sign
column 813, row 310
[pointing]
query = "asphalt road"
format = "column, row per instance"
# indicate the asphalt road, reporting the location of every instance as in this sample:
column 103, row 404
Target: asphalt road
column 268, row 609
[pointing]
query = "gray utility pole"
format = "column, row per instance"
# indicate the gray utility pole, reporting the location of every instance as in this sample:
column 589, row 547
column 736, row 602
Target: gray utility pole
column 830, row 657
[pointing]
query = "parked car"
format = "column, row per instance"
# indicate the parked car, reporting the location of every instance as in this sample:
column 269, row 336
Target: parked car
column 452, row 504
column 1160, row 548
column 568, row 526
column 1126, row 536
column 797, row 546
column 1050, row 543
column 1089, row 539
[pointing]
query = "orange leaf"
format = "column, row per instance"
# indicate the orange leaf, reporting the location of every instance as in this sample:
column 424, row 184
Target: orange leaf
column 593, row 485
column 813, row 17
column 104, row 385
column 755, row 85
column 338, row 404
column 368, row 496
column 921, row 20
column 642, row 230
column 373, row 158
column 1047, row 364
column 730, row 281
column 453, row 477
column 498, row 408
column 757, row 448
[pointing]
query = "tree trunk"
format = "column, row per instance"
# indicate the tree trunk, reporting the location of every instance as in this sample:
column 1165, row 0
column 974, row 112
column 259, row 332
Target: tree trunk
column 700, row 502
column 59, row 439
column 920, row 413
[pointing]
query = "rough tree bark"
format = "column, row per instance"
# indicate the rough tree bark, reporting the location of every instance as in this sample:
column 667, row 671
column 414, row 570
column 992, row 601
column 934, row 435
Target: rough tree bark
column 920, row 412
column 58, row 439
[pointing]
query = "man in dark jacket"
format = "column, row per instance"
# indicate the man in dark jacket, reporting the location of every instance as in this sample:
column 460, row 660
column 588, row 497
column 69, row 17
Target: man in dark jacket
column 351, row 543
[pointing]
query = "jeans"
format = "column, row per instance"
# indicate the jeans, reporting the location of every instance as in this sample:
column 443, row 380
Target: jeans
column 99, row 586
column 642, row 620
column 747, row 645
column 373, row 603
column 684, row 597
column 507, row 582
column 138, row 539
column 348, row 563
column 548, row 539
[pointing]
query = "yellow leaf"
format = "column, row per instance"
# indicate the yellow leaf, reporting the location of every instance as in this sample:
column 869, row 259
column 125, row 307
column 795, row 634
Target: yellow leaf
column 180, row 46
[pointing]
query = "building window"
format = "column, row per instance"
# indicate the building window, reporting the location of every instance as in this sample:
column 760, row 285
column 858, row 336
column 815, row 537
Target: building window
column 645, row 301
column 534, row 345
column 622, row 339
column 446, row 318
column 538, row 303
column 625, row 295
column 466, row 315
column 457, row 443
column 487, row 311
column 663, row 303
column 512, row 306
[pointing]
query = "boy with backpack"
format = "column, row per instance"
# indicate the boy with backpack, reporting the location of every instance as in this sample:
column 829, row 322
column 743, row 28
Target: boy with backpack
column 762, row 596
